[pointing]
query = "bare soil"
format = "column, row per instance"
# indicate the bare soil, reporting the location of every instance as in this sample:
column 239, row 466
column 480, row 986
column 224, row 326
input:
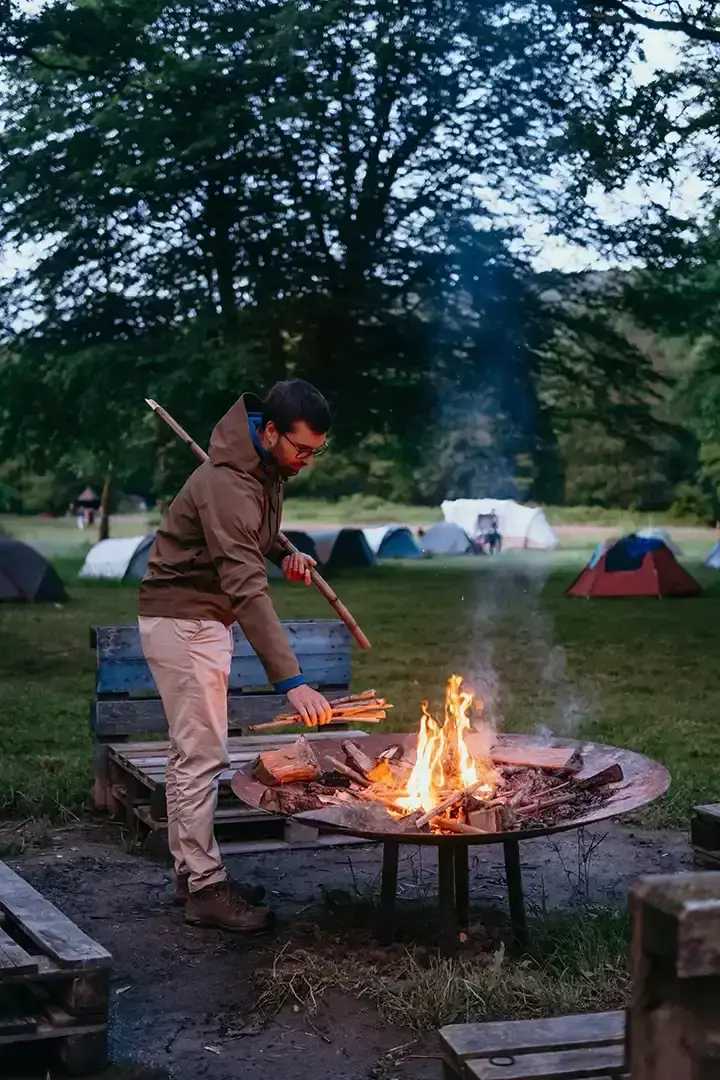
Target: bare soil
column 183, row 1000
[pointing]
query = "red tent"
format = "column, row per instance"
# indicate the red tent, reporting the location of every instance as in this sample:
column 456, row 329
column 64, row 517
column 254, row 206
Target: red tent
column 659, row 574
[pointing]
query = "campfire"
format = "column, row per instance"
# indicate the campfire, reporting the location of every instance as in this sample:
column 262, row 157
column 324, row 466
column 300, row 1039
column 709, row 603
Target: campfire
column 458, row 780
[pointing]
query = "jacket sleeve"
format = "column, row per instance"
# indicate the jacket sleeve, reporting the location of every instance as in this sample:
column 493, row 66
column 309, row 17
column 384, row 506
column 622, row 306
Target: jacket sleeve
column 230, row 515
column 276, row 554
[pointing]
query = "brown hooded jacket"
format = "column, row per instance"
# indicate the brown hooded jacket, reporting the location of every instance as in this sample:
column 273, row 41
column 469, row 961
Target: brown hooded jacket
column 207, row 559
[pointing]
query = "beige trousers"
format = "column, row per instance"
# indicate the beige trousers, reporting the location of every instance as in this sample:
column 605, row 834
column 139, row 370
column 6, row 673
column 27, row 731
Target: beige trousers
column 190, row 662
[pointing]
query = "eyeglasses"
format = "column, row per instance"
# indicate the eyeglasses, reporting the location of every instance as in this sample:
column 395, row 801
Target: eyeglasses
column 305, row 452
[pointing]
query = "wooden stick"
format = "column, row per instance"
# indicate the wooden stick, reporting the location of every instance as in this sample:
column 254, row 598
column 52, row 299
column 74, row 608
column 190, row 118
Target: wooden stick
column 319, row 582
column 337, row 723
column 447, row 803
column 347, row 771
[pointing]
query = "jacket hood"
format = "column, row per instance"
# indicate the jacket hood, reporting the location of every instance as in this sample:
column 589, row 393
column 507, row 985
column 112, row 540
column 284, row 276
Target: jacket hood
column 231, row 441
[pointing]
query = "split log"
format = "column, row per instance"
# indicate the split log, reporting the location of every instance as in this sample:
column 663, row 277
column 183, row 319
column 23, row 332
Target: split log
column 543, row 804
column 357, row 777
column 555, row 758
column 409, row 823
column 451, row 825
column 613, row 774
column 393, row 753
column 356, row 759
column 287, row 765
column 487, row 820
column 289, row 799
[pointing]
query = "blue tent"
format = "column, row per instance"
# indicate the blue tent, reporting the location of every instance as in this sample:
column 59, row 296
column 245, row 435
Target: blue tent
column 392, row 542
column 713, row 559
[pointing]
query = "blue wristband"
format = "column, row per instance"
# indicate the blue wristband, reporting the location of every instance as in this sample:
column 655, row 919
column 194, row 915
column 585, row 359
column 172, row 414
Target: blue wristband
column 289, row 684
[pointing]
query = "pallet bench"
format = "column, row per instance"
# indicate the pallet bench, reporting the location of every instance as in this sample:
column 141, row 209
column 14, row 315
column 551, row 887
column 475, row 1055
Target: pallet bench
column 562, row 1048
column 705, row 836
column 54, row 980
column 130, row 774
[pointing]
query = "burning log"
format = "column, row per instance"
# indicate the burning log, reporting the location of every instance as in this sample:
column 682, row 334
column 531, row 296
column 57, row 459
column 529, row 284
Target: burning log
column 450, row 801
column 356, row 759
column 561, row 759
column 613, row 774
column 289, row 764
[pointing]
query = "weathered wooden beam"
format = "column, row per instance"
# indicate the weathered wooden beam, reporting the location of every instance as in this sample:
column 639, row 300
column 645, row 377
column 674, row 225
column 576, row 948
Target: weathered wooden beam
column 674, row 1018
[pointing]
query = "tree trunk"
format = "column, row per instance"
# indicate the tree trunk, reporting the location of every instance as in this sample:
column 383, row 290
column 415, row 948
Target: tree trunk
column 104, row 530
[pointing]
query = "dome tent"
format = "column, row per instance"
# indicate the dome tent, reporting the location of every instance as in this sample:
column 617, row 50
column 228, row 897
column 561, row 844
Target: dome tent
column 445, row 538
column 519, row 526
column 635, row 566
column 26, row 575
column 392, row 542
column 122, row 559
column 713, row 559
column 332, row 549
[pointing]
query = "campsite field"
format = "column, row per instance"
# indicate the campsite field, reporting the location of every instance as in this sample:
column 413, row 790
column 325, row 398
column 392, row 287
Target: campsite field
column 638, row 673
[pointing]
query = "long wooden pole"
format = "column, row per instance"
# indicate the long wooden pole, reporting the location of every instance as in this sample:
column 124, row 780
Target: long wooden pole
column 318, row 581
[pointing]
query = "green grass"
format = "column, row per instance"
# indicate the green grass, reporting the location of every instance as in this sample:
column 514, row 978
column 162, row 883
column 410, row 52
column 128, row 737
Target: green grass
column 636, row 673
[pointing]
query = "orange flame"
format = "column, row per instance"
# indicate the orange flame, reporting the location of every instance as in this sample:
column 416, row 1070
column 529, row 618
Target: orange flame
column 444, row 761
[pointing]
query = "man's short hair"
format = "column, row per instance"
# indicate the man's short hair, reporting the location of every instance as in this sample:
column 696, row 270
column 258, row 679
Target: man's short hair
column 293, row 400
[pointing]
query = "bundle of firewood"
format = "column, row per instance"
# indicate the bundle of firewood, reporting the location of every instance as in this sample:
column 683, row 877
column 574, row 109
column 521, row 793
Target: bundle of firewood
column 364, row 708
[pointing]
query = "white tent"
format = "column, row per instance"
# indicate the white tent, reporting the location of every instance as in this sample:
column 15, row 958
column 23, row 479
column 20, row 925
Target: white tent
column 392, row 542
column 519, row 526
column 122, row 559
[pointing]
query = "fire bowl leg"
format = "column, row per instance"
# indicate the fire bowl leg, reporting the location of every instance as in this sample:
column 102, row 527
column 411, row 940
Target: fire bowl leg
column 446, row 899
column 388, row 893
column 462, row 884
column 516, row 899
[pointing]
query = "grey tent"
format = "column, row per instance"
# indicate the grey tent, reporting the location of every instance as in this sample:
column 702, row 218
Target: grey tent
column 713, row 559
column 333, row 549
column 445, row 538
column 26, row 575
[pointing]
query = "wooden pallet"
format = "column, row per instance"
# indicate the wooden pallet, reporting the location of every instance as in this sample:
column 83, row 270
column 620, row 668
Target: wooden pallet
column 54, row 980
column 563, row 1048
column 137, row 772
column 705, row 835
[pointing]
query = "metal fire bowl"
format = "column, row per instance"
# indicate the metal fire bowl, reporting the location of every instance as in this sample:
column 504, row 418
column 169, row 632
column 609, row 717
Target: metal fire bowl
column 644, row 780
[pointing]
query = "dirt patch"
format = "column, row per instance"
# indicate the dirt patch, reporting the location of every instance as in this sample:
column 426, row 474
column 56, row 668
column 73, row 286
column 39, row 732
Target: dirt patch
column 183, row 1000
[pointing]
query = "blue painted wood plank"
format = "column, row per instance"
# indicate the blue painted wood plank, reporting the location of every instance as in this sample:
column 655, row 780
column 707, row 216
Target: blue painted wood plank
column 134, row 676
column 305, row 635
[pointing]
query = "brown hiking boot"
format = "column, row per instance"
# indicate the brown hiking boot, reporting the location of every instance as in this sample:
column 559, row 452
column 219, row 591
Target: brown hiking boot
column 251, row 894
column 221, row 906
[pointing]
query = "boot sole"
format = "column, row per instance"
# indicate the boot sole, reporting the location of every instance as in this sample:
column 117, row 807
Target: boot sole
column 213, row 924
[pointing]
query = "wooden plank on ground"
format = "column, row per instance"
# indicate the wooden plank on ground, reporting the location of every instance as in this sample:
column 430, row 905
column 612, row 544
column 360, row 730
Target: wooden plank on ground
column 46, row 926
column 13, row 958
column 586, row 1064
column 522, row 1036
